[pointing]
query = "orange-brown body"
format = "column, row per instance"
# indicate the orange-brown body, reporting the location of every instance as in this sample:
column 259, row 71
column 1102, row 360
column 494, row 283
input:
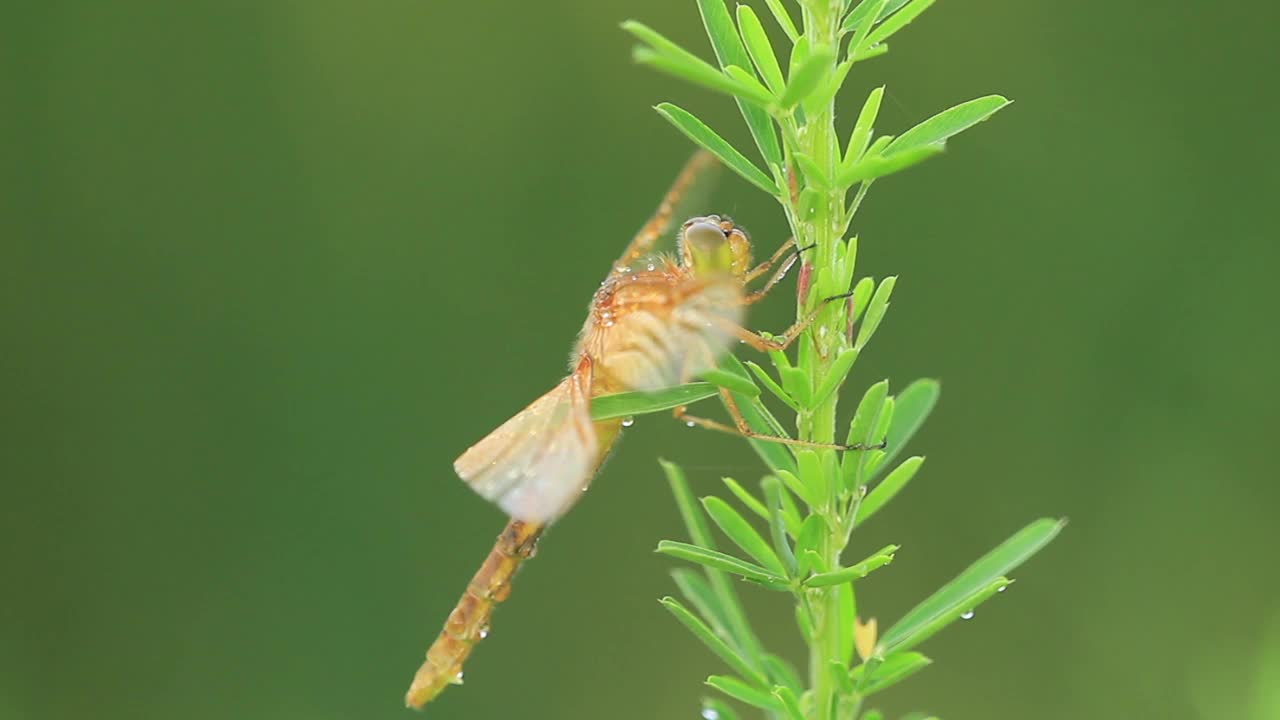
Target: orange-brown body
column 656, row 321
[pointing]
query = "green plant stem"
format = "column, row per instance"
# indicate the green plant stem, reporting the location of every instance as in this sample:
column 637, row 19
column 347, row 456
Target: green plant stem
column 821, row 22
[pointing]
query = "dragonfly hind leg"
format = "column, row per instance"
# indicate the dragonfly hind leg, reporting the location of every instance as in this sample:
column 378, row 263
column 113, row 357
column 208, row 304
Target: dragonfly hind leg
column 740, row 427
column 788, row 336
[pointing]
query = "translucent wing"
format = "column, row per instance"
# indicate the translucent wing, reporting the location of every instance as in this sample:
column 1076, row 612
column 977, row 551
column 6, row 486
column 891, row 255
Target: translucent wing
column 659, row 342
column 535, row 465
column 687, row 197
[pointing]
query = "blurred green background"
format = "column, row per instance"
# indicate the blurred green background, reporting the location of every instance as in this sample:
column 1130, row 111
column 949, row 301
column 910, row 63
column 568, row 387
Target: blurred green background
column 266, row 268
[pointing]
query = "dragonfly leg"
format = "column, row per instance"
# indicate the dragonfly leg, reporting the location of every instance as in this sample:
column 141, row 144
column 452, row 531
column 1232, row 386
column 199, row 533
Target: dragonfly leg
column 787, row 262
column 763, row 267
column 788, row 336
column 740, row 427
column 701, row 162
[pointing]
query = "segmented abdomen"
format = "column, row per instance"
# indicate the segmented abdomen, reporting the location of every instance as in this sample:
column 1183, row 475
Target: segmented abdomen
column 469, row 621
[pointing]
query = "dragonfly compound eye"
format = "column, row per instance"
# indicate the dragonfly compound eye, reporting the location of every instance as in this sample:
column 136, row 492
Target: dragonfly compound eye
column 705, row 246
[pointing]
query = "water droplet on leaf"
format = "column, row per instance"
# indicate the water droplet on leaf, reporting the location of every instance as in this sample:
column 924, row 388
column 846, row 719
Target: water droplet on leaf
column 967, row 616
column 628, row 421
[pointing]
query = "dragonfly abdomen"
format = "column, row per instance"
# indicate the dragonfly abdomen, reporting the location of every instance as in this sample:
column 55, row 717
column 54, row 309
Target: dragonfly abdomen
column 469, row 621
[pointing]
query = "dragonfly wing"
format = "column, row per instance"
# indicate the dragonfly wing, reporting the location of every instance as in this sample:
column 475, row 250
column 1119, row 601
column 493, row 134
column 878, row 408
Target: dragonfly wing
column 687, row 197
column 656, row 346
column 535, row 465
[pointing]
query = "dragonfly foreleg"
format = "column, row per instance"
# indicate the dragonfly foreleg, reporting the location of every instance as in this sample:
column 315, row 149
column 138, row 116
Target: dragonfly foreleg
column 788, row 336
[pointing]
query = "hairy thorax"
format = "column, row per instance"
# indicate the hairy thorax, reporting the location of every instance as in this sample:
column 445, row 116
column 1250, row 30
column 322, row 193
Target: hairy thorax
column 649, row 326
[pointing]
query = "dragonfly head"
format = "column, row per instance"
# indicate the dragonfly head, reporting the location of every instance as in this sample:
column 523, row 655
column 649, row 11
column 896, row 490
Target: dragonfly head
column 714, row 244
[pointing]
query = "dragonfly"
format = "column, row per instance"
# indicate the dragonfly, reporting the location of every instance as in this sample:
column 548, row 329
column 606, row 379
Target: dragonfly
column 657, row 321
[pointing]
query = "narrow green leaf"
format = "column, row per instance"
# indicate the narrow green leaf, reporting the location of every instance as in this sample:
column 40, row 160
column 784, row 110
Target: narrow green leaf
column 862, row 30
column 670, row 57
column 807, row 542
column 803, row 623
column 796, row 383
column 887, row 489
column 711, row 640
column 873, row 166
column 872, row 715
column 840, row 673
column 729, row 51
column 745, row 497
column 807, row 76
column 911, row 408
column 704, row 599
column 871, row 458
column 781, row 673
column 859, row 13
column 862, row 431
column 790, row 704
column 873, row 51
column 963, row 610
column 790, row 513
column 945, row 124
column 861, row 295
column 885, row 419
column 705, row 137
column 875, row 312
column 694, row 521
column 959, row 594
column 759, row 419
column 799, row 51
column 719, row 561
column 878, row 145
column 673, row 59
column 814, row 175
column 730, row 608
column 718, row 710
column 772, row 386
column 856, row 571
column 836, row 374
column 783, row 19
column 892, row 670
column 629, row 404
column 863, row 128
column 748, row 79
column 700, row 74
column 848, row 263
column 777, row 523
column 795, row 485
column 743, row 692
column 737, row 529
column 760, row 49
column 779, row 359
column 660, row 43
column 897, row 21
column 730, row 381
column 831, row 85
column 811, row 475
column 864, row 418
